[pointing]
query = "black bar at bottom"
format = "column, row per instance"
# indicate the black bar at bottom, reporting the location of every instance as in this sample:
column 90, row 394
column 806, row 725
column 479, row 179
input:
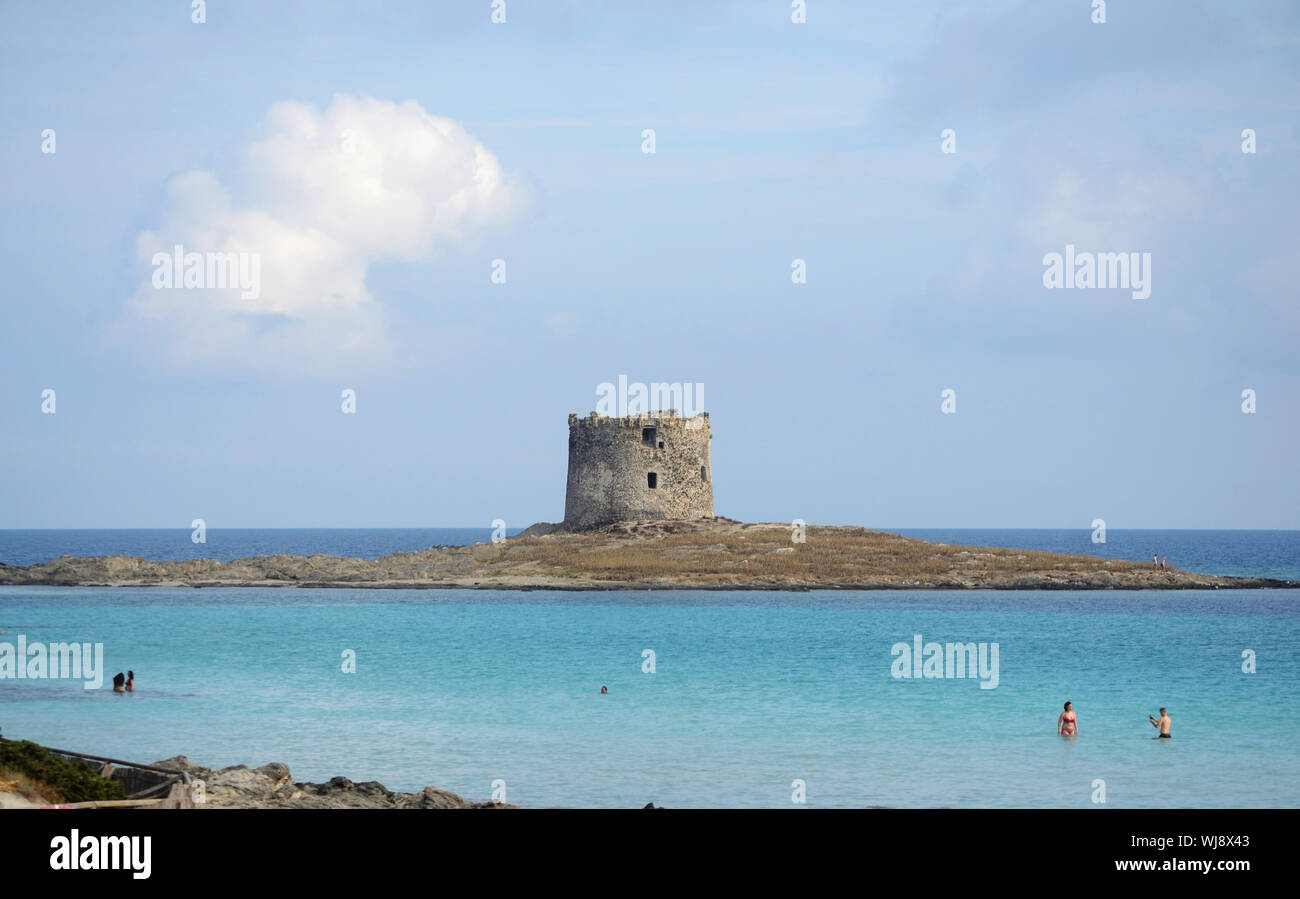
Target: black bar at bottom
column 654, row 849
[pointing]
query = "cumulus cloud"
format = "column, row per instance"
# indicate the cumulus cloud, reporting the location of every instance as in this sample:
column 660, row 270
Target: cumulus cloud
column 320, row 197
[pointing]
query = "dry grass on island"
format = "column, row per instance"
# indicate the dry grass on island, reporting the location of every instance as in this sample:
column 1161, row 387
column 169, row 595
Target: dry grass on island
column 710, row 554
column 725, row 554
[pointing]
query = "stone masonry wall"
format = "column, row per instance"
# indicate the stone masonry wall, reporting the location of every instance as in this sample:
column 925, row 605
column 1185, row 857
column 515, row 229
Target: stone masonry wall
column 611, row 461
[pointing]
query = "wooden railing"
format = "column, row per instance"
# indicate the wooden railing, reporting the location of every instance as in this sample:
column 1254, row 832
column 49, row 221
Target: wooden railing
column 177, row 784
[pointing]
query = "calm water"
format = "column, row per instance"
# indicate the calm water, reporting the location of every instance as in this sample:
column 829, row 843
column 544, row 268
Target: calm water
column 752, row 690
column 1258, row 553
column 170, row 544
column 1236, row 553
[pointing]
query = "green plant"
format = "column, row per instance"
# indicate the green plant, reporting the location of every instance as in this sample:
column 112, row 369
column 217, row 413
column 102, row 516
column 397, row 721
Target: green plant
column 58, row 779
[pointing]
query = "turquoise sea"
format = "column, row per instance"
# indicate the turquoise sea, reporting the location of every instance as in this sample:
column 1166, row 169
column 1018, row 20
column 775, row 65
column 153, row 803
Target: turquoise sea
column 751, row 692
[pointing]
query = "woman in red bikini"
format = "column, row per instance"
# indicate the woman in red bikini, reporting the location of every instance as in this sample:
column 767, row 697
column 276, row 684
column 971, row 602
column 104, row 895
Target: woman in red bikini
column 1067, row 725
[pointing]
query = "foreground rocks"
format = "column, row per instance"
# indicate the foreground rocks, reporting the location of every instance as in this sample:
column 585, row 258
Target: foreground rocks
column 709, row 554
column 272, row 786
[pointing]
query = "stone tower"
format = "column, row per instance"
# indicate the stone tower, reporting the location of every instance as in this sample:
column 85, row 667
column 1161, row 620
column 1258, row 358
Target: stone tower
column 653, row 465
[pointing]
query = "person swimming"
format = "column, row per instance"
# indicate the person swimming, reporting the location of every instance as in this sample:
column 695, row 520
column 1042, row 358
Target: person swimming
column 119, row 680
column 1067, row 725
column 604, row 690
column 1165, row 724
column 130, row 682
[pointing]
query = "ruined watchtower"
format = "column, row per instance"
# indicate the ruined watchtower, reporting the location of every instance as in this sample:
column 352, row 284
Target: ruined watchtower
column 653, row 465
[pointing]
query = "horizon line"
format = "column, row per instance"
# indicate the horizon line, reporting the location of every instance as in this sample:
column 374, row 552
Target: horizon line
column 517, row 529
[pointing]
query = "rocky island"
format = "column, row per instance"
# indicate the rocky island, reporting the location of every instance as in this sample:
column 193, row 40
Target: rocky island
column 639, row 515
column 699, row 554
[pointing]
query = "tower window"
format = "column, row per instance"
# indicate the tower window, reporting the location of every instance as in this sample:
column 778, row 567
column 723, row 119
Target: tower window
column 704, row 473
column 648, row 436
column 661, row 444
column 652, row 479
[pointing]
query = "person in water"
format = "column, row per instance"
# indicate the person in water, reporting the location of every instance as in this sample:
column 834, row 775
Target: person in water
column 1067, row 725
column 130, row 682
column 118, row 680
column 604, row 690
column 1165, row 723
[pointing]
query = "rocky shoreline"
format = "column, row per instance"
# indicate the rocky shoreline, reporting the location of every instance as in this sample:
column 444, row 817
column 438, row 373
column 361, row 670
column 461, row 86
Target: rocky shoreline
column 709, row 554
column 272, row 786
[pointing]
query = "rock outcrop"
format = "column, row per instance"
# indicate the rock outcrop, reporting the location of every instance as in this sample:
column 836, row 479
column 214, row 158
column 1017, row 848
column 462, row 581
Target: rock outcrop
column 272, row 786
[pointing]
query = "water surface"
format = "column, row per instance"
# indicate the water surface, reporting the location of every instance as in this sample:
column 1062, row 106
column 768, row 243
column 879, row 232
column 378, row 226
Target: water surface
column 751, row 692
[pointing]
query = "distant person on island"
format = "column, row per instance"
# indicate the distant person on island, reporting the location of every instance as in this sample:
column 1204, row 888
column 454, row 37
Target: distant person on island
column 118, row 680
column 1163, row 566
column 1165, row 723
column 130, row 682
column 1155, row 560
column 1067, row 725
column 604, row 690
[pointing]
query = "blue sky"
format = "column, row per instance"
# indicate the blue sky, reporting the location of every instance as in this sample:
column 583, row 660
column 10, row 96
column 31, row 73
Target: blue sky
column 774, row 142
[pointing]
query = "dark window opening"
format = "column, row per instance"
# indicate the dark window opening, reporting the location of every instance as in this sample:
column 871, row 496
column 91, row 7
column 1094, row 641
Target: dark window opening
column 648, row 436
column 652, row 479
column 661, row 444
column 704, row 474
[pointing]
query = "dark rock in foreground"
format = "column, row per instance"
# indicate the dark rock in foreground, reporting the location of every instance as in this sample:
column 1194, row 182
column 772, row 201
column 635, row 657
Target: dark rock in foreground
column 272, row 786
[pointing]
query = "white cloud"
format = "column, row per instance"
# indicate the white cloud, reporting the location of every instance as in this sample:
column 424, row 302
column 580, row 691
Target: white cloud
column 321, row 196
column 1126, row 210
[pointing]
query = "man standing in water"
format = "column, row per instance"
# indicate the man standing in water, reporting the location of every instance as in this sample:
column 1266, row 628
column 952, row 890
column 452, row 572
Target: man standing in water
column 1165, row 723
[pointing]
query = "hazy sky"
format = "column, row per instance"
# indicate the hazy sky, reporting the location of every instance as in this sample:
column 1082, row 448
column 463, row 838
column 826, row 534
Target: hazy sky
column 377, row 157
